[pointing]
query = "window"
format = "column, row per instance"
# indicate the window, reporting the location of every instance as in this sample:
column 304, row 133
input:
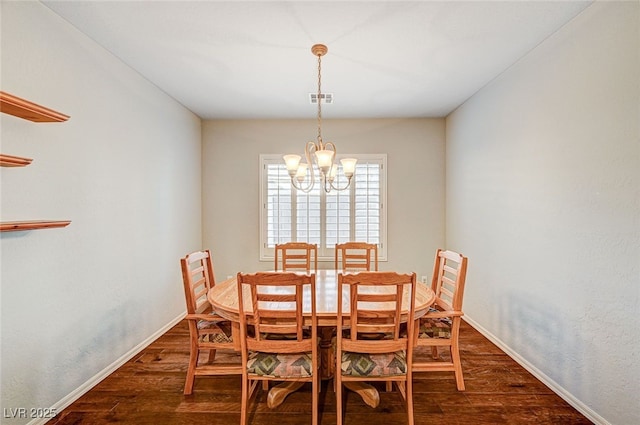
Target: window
column 355, row 214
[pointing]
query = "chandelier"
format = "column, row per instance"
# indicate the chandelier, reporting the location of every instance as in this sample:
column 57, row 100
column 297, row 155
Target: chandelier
column 318, row 154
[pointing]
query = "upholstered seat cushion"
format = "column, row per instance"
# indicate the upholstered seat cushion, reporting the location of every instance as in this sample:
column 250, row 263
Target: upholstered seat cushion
column 217, row 330
column 434, row 327
column 381, row 364
column 288, row 365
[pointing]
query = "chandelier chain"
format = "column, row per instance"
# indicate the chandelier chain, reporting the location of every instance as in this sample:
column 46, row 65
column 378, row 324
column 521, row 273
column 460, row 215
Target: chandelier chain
column 319, row 100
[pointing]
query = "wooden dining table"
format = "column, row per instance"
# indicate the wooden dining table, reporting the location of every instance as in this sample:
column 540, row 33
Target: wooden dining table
column 224, row 300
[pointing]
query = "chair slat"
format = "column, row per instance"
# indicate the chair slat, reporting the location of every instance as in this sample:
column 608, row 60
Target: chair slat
column 376, row 297
column 200, row 293
column 452, row 270
column 276, row 297
column 371, row 347
column 449, row 281
column 445, row 291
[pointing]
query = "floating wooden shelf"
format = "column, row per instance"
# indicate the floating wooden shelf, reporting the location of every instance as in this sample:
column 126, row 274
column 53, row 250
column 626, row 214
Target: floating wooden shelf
column 14, row 226
column 21, row 108
column 13, row 105
column 14, row 161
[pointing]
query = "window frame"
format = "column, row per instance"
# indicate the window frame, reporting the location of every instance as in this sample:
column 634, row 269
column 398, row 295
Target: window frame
column 325, row 254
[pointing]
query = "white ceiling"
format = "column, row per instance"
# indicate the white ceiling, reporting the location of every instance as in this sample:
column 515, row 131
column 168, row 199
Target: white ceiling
column 239, row 59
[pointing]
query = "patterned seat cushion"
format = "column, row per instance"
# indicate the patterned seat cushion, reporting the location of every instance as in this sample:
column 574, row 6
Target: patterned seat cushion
column 217, row 330
column 435, row 327
column 383, row 364
column 280, row 365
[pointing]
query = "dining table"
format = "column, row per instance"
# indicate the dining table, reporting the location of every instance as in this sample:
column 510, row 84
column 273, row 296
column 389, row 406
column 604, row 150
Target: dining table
column 223, row 297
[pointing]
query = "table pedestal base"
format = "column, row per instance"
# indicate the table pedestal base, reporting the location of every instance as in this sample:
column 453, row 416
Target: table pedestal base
column 277, row 394
column 368, row 392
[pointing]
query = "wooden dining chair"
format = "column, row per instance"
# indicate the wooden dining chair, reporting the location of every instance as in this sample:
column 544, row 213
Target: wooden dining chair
column 356, row 256
column 296, row 256
column 440, row 327
column 207, row 330
column 370, row 346
column 278, row 343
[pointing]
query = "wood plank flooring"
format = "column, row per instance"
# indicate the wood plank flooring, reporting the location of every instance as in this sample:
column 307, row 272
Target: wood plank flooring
column 148, row 390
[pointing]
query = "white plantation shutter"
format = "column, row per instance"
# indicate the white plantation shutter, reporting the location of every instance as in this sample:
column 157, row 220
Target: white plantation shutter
column 367, row 203
column 355, row 214
column 279, row 205
column 308, row 215
column 338, row 207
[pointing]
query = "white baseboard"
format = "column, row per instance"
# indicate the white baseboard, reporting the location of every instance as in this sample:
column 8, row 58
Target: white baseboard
column 92, row 382
column 562, row 392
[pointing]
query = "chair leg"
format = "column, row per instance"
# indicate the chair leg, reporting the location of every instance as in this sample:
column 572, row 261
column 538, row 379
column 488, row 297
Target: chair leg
column 191, row 370
column 244, row 401
column 457, row 366
column 434, row 352
column 212, row 355
column 315, row 390
column 338, row 385
column 409, row 392
column 389, row 386
column 402, row 389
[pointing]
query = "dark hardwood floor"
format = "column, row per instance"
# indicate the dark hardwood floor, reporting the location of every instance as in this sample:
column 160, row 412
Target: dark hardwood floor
column 148, row 390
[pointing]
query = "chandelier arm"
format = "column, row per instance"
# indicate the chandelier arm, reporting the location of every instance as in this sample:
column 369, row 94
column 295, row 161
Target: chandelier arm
column 298, row 186
column 340, row 188
column 308, row 150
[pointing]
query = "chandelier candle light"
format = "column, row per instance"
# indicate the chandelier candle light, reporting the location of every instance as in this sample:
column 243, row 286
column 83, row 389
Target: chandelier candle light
column 323, row 153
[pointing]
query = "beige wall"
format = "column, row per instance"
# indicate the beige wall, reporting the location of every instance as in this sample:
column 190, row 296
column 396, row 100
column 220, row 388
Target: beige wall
column 415, row 197
column 543, row 195
column 126, row 170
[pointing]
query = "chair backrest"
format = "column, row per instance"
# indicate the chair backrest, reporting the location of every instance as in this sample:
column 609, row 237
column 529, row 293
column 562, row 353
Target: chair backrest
column 449, row 275
column 376, row 301
column 273, row 304
column 198, row 278
column 296, row 256
column 356, row 256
